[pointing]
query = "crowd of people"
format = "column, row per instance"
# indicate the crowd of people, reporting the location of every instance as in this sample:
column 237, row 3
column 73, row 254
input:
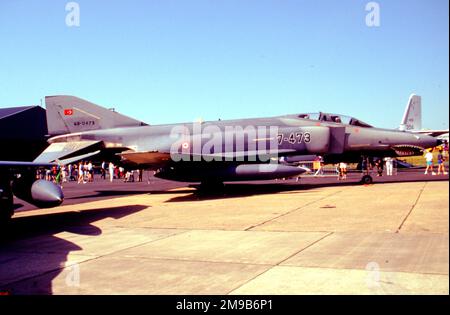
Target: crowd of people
column 441, row 158
column 368, row 165
column 84, row 172
column 379, row 164
column 388, row 165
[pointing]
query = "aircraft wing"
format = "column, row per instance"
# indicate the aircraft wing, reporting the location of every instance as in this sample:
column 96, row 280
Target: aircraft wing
column 433, row 133
column 71, row 151
column 17, row 165
column 23, row 164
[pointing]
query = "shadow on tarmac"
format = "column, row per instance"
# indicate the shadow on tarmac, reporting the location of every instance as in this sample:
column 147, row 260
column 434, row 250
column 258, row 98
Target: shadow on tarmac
column 84, row 193
column 52, row 255
column 118, row 193
column 238, row 190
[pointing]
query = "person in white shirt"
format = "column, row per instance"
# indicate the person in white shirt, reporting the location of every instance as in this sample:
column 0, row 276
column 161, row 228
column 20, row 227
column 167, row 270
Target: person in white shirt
column 90, row 172
column 429, row 159
column 342, row 170
column 389, row 166
column 63, row 173
column 81, row 173
column 111, row 171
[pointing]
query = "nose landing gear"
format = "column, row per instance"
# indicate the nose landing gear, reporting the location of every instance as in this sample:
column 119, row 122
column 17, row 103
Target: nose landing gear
column 366, row 178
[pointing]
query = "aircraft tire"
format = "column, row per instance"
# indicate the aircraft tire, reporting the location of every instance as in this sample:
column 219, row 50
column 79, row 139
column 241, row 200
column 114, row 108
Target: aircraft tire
column 210, row 186
column 6, row 209
column 366, row 180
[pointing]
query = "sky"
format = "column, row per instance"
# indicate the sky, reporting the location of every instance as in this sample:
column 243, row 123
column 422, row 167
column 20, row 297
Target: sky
column 167, row 61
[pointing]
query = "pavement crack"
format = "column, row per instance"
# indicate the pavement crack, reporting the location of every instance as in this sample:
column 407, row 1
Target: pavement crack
column 280, row 262
column 305, row 248
column 412, row 208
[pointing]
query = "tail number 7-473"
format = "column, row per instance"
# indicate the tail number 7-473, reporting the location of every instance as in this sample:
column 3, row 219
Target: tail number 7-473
column 293, row 138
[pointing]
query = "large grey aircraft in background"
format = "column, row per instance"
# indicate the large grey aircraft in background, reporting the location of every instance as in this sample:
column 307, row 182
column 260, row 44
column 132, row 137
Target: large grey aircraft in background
column 213, row 152
column 412, row 120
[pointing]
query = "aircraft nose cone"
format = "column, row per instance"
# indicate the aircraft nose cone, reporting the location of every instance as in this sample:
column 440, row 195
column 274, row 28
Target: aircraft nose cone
column 434, row 142
column 426, row 141
column 46, row 194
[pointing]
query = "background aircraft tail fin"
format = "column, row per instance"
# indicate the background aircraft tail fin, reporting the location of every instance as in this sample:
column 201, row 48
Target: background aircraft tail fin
column 412, row 118
column 69, row 114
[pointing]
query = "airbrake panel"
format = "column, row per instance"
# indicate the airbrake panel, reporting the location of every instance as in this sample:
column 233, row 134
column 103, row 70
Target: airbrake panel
column 337, row 140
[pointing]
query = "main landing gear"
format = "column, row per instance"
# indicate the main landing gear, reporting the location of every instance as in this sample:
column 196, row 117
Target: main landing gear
column 366, row 178
column 211, row 186
column 6, row 203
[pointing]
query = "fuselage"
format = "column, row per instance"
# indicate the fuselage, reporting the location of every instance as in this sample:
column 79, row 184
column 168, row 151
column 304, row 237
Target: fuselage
column 282, row 136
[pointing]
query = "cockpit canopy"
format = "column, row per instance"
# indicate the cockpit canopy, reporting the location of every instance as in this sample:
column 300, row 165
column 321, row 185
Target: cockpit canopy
column 334, row 118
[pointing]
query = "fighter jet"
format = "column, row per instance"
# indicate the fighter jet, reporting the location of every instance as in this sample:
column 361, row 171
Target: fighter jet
column 213, row 152
column 19, row 178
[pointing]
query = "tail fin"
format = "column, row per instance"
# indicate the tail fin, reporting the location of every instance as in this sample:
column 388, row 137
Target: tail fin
column 69, row 114
column 412, row 118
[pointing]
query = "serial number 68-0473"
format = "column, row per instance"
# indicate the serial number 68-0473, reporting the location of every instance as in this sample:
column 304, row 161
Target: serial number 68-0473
column 237, row 304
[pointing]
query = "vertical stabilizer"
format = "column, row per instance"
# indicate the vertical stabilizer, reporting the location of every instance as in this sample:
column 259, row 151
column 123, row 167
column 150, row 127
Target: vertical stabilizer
column 412, row 118
column 69, row 114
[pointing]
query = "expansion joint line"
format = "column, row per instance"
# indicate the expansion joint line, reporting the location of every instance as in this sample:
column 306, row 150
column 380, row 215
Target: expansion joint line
column 280, row 262
column 412, row 208
column 293, row 210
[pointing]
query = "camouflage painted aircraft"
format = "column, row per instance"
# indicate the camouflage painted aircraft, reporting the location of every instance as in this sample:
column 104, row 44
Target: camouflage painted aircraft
column 213, row 152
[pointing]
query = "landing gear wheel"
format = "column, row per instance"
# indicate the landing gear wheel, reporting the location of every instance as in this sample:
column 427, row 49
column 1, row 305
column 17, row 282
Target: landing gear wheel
column 366, row 180
column 211, row 186
column 6, row 208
